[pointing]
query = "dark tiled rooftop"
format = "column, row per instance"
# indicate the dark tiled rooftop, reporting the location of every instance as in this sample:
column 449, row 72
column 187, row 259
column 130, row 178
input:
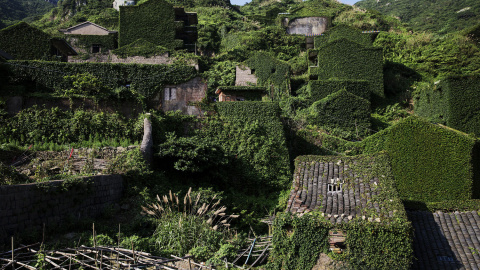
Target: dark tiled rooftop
column 446, row 240
column 312, row 190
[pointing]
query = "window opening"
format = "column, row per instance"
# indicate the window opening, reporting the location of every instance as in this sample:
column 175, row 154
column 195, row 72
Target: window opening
column 336, row 239
column 335, row 185
column 170, row 93
column 96, row 48
column 252, row 71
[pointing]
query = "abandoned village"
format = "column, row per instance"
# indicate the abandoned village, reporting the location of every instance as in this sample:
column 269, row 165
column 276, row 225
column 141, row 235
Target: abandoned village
column 124, row 130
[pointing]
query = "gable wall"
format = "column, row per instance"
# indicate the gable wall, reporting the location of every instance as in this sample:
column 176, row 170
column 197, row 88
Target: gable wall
column 87, row 29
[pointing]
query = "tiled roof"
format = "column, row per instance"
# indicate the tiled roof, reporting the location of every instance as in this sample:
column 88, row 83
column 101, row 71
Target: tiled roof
column 315, row 183
column 446, row 240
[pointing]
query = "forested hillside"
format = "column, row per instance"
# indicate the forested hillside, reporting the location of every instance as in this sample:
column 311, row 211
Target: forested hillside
column 16, row 10
column 442, row 16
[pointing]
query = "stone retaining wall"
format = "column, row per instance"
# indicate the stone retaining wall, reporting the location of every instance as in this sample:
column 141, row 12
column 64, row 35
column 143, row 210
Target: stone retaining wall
column 29, row 206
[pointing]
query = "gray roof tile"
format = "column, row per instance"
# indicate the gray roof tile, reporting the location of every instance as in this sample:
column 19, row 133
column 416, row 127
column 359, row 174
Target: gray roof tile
column 446, row 240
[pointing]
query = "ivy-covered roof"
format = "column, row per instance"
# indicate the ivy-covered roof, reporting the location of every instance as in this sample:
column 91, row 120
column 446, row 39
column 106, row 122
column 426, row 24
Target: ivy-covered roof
column 345, row 188
column 446, row 240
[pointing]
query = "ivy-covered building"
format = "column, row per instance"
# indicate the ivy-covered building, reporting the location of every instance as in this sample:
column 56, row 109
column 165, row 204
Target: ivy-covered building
column 158, row 22
column 260, row 76
column 25, row 42
column 346, row 56
column 90, row 38
column 345, row 205
column 431, row 163
column 454, row 102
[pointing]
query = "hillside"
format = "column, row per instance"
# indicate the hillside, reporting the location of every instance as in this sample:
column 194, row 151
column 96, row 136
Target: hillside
column 277, row 107
column 441, row 16
column 15, row 10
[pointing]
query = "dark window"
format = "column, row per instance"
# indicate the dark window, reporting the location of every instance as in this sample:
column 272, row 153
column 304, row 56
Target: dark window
column 96, row 48
column 252, row 71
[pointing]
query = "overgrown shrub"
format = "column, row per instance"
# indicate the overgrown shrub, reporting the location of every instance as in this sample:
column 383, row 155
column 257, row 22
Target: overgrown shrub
column 188, row 224
column 192, row 154
column 254, row 134
column 39, row 125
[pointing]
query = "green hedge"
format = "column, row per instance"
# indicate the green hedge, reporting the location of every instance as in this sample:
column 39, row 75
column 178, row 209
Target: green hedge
column 153, row 20
column 446, row 206
column 267, row 115
column 146, row 80
column 344, row 32
column 297, row 241
column 25, row 42
column 342, row 110
column 454, row 102
column 431, row 163
column 345, row 59
column 108, row 42
column 270, row 71
column 321, row 89
column 140, row 47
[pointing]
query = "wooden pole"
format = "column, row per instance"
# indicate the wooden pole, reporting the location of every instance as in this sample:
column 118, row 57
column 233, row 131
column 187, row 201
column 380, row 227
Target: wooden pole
column 13, row 262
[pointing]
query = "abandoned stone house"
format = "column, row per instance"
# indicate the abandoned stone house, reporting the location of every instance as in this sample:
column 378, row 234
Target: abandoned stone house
column 99, row 36
column 183, row 97
column 245, row 87
column 96, row 43
column 307, row 26
column 343, row 189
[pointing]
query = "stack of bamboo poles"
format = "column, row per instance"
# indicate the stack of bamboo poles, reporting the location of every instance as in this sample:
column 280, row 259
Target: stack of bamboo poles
column 33, row 257
column 256, row 253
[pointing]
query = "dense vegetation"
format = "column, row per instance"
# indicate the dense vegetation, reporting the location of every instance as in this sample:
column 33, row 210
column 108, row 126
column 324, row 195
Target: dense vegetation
column 15, row 10
column 444, row 16
column 330, row 100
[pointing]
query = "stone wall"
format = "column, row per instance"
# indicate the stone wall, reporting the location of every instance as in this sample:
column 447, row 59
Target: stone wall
column 186, row 94
column 29, row 206
column 244, row 76
column 306, row 26
column 112, row 58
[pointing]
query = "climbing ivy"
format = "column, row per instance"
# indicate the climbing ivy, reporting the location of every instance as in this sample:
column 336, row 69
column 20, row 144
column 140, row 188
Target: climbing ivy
column 438, row 161
column 385, row 244
column 146, row 80
column 23, row 41
column 271, row 72
column 153, row 21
